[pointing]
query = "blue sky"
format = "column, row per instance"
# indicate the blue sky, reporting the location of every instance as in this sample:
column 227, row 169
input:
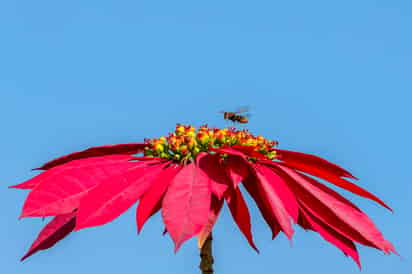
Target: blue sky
column 326, row 77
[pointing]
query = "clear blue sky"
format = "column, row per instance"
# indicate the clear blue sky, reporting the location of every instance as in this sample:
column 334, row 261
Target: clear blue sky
column 325, row 77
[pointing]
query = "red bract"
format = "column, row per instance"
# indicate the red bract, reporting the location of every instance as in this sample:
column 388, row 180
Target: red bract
column 188, row 176
column 127, row 149
column 185, row 207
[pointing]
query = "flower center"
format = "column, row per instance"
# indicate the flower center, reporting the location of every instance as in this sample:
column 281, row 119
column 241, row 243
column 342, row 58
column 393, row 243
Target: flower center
column 186, row 142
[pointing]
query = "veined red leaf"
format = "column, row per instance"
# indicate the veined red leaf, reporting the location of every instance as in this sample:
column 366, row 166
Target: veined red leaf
column 240, row 214
column 215, row 207
column 127, row 149
column 340, row 182
column 330, row 235
column 31, row 183
column 54, row 231
column 237, row 169
column 312, row 161
column 186, row 205
column 252, row 188
column 275, row 204
column 150, row 202
column 115, row 195
column 211, row 168
column 343, row 218
column 58, row 190
column 282, row 190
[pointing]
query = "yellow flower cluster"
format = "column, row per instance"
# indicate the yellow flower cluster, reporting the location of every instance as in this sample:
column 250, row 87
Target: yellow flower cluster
column 186, row 142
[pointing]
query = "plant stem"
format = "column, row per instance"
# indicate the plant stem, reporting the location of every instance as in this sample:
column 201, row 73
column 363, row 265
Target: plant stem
column 206, row 263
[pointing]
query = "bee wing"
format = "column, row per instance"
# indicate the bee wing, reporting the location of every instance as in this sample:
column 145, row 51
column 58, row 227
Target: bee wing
column 242, row 109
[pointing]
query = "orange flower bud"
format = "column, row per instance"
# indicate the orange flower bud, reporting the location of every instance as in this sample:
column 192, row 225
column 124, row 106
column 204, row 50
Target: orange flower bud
column 183, row 149
column 180, row 130
column 162, row 140
column 190, row 129
column 159, row 147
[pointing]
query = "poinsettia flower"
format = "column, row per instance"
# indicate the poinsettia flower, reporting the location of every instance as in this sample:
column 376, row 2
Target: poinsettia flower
column 188, row 176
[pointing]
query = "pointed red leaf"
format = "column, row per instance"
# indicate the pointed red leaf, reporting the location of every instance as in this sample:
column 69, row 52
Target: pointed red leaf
column 58, row 190
column 186, row 205
column 236, row 165
column 343, row 218
column 275, row 204
column 237, row 169
column 211, row 167
column 29, row 184
column 282, row 190
column 240, row 214
column 252, row 188
column 54, row 231
column 115, row 195
column 302, row 221
column 329, row 191
column 312, row 161
column 215, row 207
column 340, row 182
column 330, row 235
column 150, row 202
column 127, row 149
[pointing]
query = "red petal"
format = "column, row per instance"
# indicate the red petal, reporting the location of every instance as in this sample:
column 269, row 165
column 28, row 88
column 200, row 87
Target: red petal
column 150, row 202
column 330, row 235
column 211, row 168
column 312, row 161
column 275, row 204
column 249, row 151
column 58, row 191
column 240, row 214
column 128, row 149
column 215, row 207
column 237, row 169
column 279, row 185
column 115, row 195
column 345, row 184
column 186, row 205
column 229, row 151
column 345, row 219
column 54, row 231
column 252, row 186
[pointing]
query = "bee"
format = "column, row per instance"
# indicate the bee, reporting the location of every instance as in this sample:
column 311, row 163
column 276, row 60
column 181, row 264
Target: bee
column 237, row 116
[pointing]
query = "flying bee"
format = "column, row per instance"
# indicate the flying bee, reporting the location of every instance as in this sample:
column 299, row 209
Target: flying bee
column 236, row 118
column 239, row 116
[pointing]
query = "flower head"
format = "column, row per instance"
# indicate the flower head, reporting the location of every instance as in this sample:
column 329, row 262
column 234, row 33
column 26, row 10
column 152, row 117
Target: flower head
column 188, row 175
